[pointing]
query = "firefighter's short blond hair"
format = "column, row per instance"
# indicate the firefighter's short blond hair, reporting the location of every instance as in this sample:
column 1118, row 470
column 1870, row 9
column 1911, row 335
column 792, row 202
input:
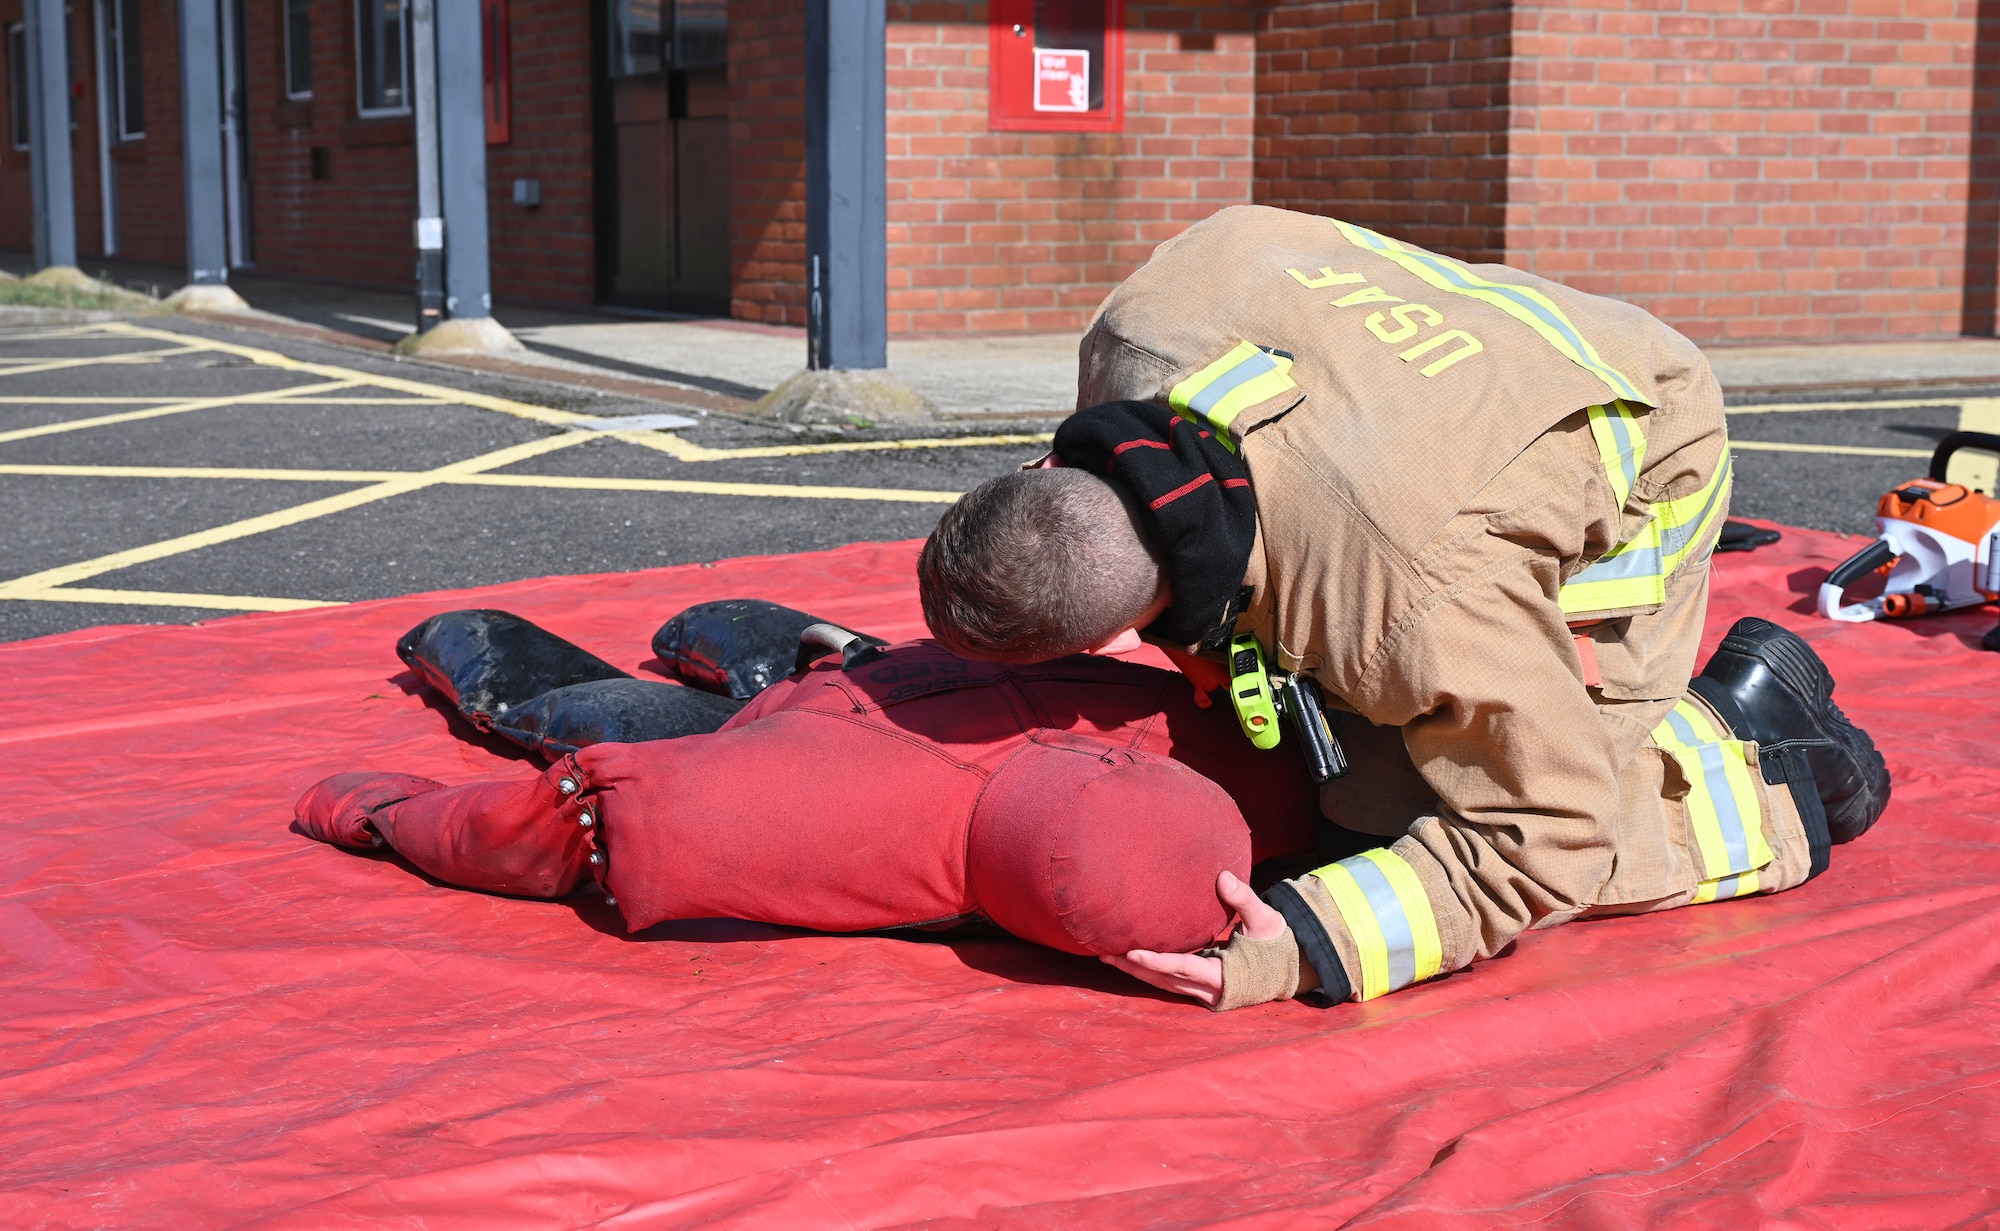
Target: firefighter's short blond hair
column 1037, row 564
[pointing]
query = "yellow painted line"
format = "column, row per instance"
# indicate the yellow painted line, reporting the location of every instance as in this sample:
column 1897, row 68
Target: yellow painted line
column 271, row 358
column 125, row 360
column 697, row 488
column 176, row 408
column 1778, row 408
column 665, row 442
column 561, row 482
column 688, row 451
column 177, row 397
column 161, row 598
column 207, row 472
column 68, row 574
column 1776, row 446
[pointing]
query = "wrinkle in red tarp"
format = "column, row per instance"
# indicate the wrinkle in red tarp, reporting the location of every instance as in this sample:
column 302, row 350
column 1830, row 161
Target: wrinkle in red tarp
column 209, row 1021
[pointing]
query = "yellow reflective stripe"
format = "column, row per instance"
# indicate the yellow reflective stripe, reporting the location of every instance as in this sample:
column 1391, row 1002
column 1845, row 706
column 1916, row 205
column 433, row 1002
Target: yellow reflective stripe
column 1389, row 916
column 1231, row 385
column 1621, row 446
column 1524, row 304
column 1722, row 806
column 1634, row 573
column 1685, row 523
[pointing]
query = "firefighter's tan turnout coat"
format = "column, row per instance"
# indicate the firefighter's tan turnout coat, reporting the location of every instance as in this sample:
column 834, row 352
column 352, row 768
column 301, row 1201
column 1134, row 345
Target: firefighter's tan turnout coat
column 1486, row 505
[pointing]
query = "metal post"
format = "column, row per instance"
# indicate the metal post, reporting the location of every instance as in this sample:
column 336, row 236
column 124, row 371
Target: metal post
column 235, row 175
column 48, row 133
column 107, row 171
column 461, row 106
column 201, row 143
column 430, row 218
column 847, row 264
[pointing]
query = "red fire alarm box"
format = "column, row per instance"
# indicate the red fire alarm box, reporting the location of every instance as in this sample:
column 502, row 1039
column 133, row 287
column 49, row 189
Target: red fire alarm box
column 1056, row 66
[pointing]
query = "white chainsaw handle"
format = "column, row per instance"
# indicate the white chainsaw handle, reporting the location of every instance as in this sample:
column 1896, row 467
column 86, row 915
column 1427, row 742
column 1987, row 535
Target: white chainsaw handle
column 1830, row 608
column 1860, row 564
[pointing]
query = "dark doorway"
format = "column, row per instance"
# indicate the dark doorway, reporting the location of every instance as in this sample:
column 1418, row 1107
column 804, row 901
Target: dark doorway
column 663, row 137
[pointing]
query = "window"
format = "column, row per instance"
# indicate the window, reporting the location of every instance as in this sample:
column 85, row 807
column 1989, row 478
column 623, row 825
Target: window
column 128, row 92
column 1056, row 66
column 298, row 49
column 17, row 84
column 382, row 56
column 701, row 33
column 635, row 38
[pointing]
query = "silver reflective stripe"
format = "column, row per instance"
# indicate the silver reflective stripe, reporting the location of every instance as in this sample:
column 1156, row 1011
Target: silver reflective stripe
column 1389, row 916
column 1639, row 562
column 1250, row 369
column 1734, row 839
column 1621, row 431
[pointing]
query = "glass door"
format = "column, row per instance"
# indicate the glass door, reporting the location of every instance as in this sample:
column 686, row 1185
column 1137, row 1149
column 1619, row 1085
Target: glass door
column 664, row 234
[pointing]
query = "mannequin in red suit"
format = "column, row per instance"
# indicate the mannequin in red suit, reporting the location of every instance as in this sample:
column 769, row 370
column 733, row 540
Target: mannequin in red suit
column 1086, row 804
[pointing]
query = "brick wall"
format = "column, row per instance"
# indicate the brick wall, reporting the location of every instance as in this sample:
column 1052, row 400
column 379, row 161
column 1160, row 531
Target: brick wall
column 1751, row 169
column 1390, row 113
column 767, row 167
column 995, row 232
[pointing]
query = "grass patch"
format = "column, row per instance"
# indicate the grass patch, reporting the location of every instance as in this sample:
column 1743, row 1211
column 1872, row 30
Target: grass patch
column 102, row 298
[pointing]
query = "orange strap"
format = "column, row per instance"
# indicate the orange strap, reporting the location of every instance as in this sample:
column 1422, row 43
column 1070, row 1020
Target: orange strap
column 1586, row 649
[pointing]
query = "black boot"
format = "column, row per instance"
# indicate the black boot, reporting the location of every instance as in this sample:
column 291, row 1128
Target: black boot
column 1769, row 686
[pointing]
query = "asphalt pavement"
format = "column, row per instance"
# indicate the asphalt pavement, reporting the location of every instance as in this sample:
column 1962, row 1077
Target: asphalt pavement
column 167, row 470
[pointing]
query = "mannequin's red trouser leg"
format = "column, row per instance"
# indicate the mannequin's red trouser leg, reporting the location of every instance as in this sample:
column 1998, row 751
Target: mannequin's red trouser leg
column 1053, row 800
column 523, row 837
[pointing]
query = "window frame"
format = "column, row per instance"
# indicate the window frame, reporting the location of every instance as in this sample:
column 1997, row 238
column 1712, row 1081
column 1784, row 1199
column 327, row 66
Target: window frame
column 292, row 92
column 121, row 70
column 360, row 77
column 19, row 135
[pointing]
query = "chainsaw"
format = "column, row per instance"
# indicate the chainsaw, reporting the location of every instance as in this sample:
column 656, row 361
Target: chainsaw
column 1938, row 542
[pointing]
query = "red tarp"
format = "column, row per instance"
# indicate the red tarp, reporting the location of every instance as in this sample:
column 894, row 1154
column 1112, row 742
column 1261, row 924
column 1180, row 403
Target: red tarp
column 209, row 1021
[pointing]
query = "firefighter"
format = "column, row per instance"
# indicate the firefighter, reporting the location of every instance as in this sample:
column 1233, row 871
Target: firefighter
column 1476, row 507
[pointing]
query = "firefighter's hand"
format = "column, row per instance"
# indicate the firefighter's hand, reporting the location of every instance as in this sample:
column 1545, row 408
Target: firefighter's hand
column 1195, row 975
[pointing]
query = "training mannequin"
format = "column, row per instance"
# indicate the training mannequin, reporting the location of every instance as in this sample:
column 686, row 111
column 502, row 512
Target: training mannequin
column 1087, row 804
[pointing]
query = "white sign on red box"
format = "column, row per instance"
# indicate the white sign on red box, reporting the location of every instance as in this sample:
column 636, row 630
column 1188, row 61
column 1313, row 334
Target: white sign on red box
column 1062, row 80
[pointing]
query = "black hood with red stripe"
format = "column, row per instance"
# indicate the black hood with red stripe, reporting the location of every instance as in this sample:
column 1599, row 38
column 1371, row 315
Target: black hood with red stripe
column 1196, row 492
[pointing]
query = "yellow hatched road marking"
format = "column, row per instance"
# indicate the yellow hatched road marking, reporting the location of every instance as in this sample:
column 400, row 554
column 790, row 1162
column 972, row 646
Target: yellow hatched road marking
column 1778, row 408
column 174, row 408
column 48, row 579
column 271, row 358
column 207, row 472
column 276, row 394
column 553, row 481
column 665, row 442
column 28, row 368
column 688, row 451
column 162, row 598
column 1780, row 446
column 699, row 488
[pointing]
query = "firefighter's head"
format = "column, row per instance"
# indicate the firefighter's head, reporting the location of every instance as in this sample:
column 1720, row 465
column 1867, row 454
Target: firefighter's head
column 1038, row 564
